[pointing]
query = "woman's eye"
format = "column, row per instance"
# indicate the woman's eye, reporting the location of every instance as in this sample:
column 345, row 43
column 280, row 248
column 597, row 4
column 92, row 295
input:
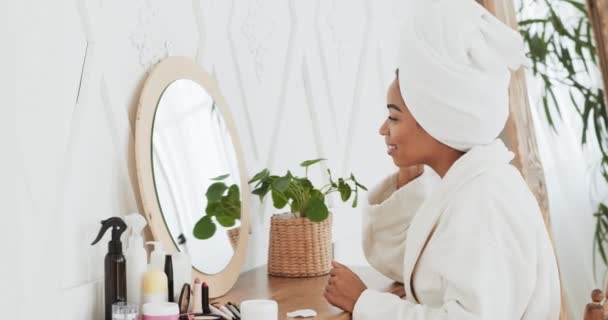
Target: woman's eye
column 392, row 118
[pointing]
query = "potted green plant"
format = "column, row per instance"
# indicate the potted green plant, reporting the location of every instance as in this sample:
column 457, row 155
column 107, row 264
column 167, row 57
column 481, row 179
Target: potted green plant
column 223, row 207
column 300, row 239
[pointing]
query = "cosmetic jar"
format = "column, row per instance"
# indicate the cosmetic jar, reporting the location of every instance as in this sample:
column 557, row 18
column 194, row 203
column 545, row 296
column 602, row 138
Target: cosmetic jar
column 259, row 310
column 160, row 311
column 124, row 311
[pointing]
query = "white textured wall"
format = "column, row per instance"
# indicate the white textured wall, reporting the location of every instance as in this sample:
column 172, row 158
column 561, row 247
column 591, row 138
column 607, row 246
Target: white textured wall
column 303, row 79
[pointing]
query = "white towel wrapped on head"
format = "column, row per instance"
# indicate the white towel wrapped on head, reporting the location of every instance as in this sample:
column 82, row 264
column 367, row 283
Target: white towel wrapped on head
column 454, row 70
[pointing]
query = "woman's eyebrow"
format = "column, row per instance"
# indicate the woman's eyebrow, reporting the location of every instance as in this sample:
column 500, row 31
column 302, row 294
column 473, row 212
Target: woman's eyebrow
column 393, row 106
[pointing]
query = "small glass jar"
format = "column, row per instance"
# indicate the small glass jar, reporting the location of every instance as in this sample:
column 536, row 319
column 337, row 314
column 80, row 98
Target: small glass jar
column 124, row 311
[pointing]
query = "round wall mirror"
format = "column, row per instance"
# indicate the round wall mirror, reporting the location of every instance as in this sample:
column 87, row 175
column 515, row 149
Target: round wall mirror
column 190, row 146
column 185, row 137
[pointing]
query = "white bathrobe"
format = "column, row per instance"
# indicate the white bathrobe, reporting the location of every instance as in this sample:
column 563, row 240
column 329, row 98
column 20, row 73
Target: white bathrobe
column 472, row 245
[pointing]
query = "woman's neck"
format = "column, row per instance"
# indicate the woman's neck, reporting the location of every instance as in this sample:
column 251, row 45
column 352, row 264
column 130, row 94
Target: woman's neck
column 446, row 157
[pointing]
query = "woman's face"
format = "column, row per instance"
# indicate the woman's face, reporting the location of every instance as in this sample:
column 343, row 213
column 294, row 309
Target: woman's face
column 407, row 143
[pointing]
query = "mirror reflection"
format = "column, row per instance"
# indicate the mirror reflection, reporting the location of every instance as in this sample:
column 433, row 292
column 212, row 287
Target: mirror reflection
column 190, row 146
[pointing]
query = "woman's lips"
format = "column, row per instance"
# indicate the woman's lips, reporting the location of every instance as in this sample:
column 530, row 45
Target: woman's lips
column 390, row 148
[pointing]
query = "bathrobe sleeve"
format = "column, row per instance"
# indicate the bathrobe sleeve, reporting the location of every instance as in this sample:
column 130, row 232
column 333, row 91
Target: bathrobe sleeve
column 483, row 249
column 386, row 220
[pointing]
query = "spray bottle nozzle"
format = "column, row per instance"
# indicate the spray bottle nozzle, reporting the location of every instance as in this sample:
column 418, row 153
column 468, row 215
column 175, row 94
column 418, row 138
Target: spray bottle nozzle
column 118, row 227
column 136, row 222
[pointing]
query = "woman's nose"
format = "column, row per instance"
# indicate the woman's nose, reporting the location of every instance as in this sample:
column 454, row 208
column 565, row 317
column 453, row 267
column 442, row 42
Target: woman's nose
column 383, row 131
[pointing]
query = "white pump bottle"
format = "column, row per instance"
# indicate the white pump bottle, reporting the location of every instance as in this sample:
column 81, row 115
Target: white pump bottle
column 157, row 256
column 155, row 281
column 137, row 259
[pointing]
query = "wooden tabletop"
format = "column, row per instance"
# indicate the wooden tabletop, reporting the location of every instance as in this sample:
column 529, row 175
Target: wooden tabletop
column 299, row 293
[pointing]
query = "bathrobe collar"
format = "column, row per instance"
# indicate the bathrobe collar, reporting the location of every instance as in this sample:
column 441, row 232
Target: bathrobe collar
column 472, row 164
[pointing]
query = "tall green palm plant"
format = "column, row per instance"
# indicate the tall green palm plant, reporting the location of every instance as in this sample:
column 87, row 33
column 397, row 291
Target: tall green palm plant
column 561, row 47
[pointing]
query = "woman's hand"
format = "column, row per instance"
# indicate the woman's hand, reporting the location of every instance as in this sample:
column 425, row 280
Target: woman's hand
column 398, row 290
column 407, row 174
column 343, row 288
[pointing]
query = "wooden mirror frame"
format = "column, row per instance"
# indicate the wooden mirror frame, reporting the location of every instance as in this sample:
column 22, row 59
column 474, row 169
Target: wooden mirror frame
column 161, row 76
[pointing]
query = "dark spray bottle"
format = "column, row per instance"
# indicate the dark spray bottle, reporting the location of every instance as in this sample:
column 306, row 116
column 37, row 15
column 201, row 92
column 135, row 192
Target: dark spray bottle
column 115, row 275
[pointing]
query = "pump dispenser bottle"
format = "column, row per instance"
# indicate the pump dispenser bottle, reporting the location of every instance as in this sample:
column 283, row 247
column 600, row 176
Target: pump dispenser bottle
column 157, row 256
column 115, row 282
column 155, row 282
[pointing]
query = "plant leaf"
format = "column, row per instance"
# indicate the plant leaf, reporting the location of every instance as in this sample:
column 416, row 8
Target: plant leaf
column 305, row 184
column 308, row 163
column 345, row 191
column 226, row 221
column 220, row 178
column 352, row 176
column 279, row 200
column 600, row 241
column 331, row 180
column 317, row 210
column 295, row 206
column 315, row 193
column 234, row 193
column 204, row 228
column 232, row 202
column 538, row 48
column 213, row 208
column 555, row 103
column 361, row 186
column 281, row 184
column 237, row 213
column 586, row 113
column 574, row 103
column 531, row 21
column 578, row 5
column 260, row 176
column 598, row 135
column 262, row 191
column 215, row 191
column 548, row 112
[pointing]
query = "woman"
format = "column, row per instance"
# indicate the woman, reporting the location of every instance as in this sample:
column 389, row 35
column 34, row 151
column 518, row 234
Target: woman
column 457, row 223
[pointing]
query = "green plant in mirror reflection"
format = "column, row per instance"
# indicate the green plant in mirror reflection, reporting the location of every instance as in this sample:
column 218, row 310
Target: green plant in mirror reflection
column 301, row 195
column 223, row 204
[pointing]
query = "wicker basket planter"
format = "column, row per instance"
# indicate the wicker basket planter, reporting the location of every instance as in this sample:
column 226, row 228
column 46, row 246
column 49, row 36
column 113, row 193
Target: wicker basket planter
column 233, row 235
column 299, row 247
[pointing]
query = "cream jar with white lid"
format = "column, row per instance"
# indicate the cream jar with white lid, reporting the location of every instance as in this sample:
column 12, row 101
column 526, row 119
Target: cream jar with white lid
column 160, row 311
